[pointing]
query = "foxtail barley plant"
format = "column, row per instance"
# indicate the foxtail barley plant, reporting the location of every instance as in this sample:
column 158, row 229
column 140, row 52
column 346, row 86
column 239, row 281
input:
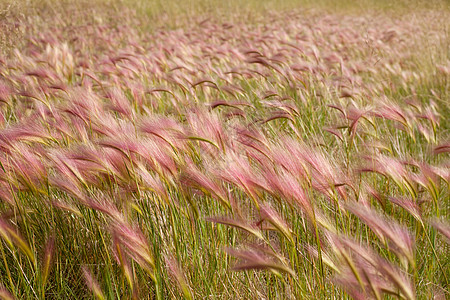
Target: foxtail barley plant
column 253, row 150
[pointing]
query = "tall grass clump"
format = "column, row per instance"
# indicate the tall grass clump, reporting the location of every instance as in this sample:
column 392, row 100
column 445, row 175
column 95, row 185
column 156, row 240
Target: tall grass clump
column 221, row 150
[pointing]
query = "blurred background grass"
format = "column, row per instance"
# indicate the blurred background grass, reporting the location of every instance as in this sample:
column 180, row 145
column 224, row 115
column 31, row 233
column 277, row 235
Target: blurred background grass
column 174, row 14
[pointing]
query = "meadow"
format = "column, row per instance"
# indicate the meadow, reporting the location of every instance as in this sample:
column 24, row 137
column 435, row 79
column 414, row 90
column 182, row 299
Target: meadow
column 224, row 149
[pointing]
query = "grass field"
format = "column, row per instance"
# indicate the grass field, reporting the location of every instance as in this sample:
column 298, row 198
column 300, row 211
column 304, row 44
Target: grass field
column 224, row 149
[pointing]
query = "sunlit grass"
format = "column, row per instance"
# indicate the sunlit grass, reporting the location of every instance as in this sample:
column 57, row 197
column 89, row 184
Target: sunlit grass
column 224, row 149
